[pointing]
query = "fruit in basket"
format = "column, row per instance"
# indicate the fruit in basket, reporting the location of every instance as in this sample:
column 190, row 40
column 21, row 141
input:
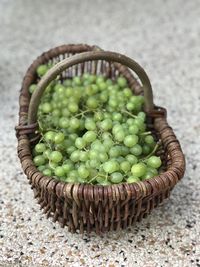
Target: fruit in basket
column 93, row 130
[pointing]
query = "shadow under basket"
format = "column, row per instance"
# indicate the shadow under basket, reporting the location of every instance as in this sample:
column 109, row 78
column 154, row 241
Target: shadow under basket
column 85, row 207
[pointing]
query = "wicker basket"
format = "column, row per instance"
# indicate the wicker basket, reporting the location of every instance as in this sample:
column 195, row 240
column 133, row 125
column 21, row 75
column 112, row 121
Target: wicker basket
column 87, row 207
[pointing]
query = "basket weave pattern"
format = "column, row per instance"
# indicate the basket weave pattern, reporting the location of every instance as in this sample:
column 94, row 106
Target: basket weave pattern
column 93, row 207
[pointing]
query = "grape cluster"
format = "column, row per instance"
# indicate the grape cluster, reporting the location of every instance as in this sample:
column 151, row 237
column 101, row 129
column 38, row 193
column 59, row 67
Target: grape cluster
column 93, row 131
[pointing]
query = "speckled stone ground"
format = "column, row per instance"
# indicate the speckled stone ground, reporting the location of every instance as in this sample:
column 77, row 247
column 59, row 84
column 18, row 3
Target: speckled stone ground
column 163, row 36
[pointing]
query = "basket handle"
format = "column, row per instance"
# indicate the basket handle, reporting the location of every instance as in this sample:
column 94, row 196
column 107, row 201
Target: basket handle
column 88, row 56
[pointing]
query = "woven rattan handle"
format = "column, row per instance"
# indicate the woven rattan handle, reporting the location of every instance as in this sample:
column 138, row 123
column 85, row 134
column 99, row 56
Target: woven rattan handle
column 80, row 58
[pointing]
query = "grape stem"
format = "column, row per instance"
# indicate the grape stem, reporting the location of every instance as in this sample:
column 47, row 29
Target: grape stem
column 51, row 165
column 145, row 133
column 83, row 112
column 130, row 114
column 153, row 151
column 93, row 179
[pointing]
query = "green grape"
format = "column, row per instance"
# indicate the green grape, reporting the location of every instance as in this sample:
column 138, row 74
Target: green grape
column 52, row 165
column 133, row 129
column 64, row 101
column 127, row 92
column 103, row 97
column 90, row 124
column 55, row 156
column 93, row 154
column 67, row 82
column 114, row 152
column 148, row 175
column 110, row 166
column 59, row 88
column 94, row 163
column 83, row 172
column 73, row 173
column 139, row 122
column 109, row 82
column 95, row 88
column 41, row 168
column 75, row 156
column 107, row 115
column 71, row 179
column 89, row 136
column 130, row 140
column 77, row 80
column 125, row 166
column 74, row 123
column 132, row 159
column 46, row 108
column 41, row 70
column 103, row 157
column 116, row 116
column 120, row 159
column 108, row 143
column 32, row 88
column 40, row 148
column 149, row 139
column 70, row 149
column 65, row 112
column 47, row 153
column 116, row 177
column 116, row 128
column 130, row 106
column 124, row 150
column 82, row 124
column 130, row 121
column 142, row 115
column 138, row 169
column 49, row 136
column 56, row 113
column 106, row 124
column 67, row 167
column 105, row 182
column 152, row 170
column 122, row 82
column 146, row 149
column 80, row 143
column 106, row 135
column 100, row 179
column 69, row 92
column 92, row 78
column 39, row 160
column 83, row 155
column 96, row 145
column 132, row 179
column 119, row 136
column 73, row 136
column 92, row 102
column 59, row 171
column 59, row 138
column 73, row 107
column 98, row 116
column 47, row 172
column 63, row 123
column 102, row 86
column 99, row 79
column 134, row 99
column 154, row 162
column 136, row 150
column 86, row 76
column 113, row 102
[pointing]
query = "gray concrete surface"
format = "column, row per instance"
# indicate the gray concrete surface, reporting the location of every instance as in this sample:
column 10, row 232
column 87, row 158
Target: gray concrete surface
column 164, row 37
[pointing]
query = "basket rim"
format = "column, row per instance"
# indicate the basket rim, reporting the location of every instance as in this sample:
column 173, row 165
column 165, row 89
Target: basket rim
column 147, row 188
